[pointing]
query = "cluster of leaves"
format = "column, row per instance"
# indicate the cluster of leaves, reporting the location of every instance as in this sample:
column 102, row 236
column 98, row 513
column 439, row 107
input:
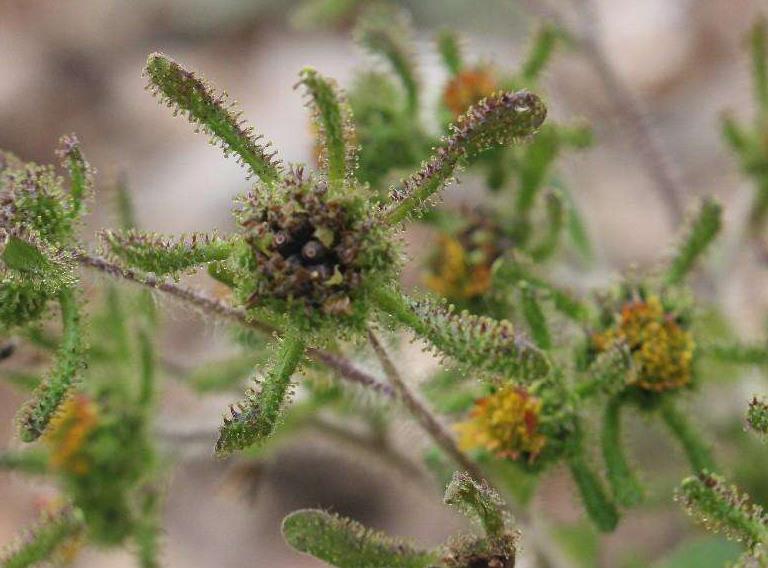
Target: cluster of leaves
column 96, row 440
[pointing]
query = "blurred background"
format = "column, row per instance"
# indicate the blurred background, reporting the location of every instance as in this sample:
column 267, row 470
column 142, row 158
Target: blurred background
column 75, row 66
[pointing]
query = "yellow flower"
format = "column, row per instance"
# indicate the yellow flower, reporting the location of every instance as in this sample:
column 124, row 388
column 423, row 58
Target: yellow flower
column 661, row 349
column 467, row 88
column 68, row 432
column 504, row 423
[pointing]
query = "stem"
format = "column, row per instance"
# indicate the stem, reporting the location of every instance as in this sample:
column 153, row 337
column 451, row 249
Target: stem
column 439, row 434
column 211, row 306
column 626, row 488
column 695, row 449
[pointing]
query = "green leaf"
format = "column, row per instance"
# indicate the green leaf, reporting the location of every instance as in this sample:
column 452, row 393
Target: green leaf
column 626, row 488
column 254, row 418
column 80, row 173
column 709, row 552
column 40, row 543
column 534, row 315
column 36, row 414
column 696, row 450
column 723, row 508
column 187, row 93
column 594, row 497
column 150, row 252
column 347, row 544
column 450, row 51
column 702, row 232
column 480, row 343
column 539, row 53
column 383, row 31
column 757, row 415
column 333, row 117
column 477, row 501
column 498, row 120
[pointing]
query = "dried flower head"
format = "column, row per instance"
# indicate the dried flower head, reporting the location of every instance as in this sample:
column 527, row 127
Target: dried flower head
column 309, row 251
column 506, row 423
column 662, row 349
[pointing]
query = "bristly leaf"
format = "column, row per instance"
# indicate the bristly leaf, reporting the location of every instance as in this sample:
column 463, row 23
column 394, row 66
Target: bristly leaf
column 477, row 501
column 596, row 501
column 703, row 231
column 182, row 90
column 32, row 461
column 383, row 31
column 626, row 488
column 723, row 508
column 555, row 223
column 37, row 545
column 757, row 415
column 347, row 544
column 449, row 46
column 36, row 414
column 696, row 450
column 480, row 343
column 80, row 173
column 539, row 53
column 759, row 41
column 333, row 118
column 608, row 374
column 534, row 316
column 498, row 120
column 150, row 252
column 254, row 419
column 738, row 353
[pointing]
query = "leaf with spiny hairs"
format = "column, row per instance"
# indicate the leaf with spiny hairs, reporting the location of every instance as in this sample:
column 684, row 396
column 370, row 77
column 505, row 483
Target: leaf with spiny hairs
column 383, row 30
column 39, row 544
column 36, row 414
column 163, row 255
column 184, row 91
column 555, row 223
column 757, row 415
column 723, row 508
column 481, row 343
column 33, row 461
column 759, row 44
column 477, row 501
column 449, row 46
column 498, row 120
column 345, row 543
column 254, row 418
column 535, row 317
column 703, row 230
column 333, row 118
column 540, row 52
column 626, row 488
column 596, row 501
column 738, row 353
column 80, row 173
column 609, row 372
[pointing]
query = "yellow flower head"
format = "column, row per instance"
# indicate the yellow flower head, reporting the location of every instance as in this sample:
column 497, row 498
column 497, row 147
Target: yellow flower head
column 661, row 349
column 68, row 433
column 461, row 268
column 504, row 423
column 467, row 88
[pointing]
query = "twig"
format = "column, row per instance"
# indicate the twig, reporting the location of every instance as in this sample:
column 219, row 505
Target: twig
column 422, row 414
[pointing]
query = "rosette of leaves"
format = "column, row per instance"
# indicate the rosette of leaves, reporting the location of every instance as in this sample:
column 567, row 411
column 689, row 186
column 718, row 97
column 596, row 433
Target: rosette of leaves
column 315, row 252
column 345, row 543
column 38, row 221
